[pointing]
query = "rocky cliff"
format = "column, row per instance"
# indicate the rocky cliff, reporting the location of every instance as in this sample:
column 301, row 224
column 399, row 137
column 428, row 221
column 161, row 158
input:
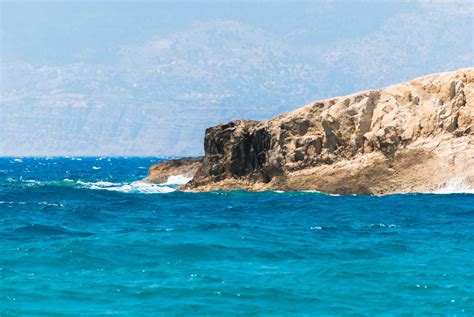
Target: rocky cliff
column 416, row 136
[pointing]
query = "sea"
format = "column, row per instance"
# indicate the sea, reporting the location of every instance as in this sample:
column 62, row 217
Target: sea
column 84, row 236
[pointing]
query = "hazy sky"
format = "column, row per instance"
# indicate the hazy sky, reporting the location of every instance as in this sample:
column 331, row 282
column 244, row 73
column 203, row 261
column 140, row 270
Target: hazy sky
column 146, row 78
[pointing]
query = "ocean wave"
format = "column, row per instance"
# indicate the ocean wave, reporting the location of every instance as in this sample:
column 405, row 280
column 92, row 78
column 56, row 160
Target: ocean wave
column 381, row 225
column 36, row 183
column 34, row 230
column 124, row 187
column 453, row 186
column 133, row 187
column 12, row 202
column 50, row 204
column 319, row 192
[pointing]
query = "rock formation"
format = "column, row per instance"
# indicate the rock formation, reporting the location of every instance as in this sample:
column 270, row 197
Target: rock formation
column 416, row 136
column 160, row 172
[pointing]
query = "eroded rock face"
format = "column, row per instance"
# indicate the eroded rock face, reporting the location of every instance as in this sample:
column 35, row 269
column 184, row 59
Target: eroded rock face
column 411, row 137
column 237, row 149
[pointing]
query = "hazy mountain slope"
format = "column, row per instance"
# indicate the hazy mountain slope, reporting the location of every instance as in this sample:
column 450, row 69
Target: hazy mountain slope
column 156, row 97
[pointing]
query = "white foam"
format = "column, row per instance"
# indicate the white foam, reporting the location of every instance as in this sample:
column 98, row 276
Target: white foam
column 45, row 203
column 102, row 184
column 142, row 187
column 177, row 180
column 318, row 192
column 134, row 187
column 382, row 225
column 96, row 168
column 31, row 181
column 456, row 185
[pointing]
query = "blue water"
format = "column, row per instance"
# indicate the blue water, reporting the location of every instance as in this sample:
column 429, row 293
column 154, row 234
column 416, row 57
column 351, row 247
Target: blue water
column 80, row 237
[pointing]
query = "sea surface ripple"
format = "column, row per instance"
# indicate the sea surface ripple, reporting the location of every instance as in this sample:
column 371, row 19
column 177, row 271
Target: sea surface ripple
column 83, row 236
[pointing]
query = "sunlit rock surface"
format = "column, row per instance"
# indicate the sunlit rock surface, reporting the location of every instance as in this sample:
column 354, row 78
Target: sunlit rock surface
column 416, row 136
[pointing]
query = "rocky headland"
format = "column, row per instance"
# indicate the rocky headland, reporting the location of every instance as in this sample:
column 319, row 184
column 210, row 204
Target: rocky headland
column 417, row 136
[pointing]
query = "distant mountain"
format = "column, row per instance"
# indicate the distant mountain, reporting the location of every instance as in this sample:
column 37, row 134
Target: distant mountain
column 156, row 97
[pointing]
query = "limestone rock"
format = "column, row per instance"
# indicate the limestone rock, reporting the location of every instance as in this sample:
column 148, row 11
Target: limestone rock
column 410, row 137
column 160, row 172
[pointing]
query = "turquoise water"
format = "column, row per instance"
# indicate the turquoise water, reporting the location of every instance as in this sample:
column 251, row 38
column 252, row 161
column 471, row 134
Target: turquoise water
column 80, row 237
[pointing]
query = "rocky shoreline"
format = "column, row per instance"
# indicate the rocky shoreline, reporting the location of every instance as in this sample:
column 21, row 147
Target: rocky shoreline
column 416, row 136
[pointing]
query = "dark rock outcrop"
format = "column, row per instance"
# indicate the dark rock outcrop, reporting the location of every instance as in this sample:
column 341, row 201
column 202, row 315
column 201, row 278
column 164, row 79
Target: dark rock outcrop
column 236, row 149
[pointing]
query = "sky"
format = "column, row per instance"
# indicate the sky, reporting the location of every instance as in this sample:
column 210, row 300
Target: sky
column 145, row 78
